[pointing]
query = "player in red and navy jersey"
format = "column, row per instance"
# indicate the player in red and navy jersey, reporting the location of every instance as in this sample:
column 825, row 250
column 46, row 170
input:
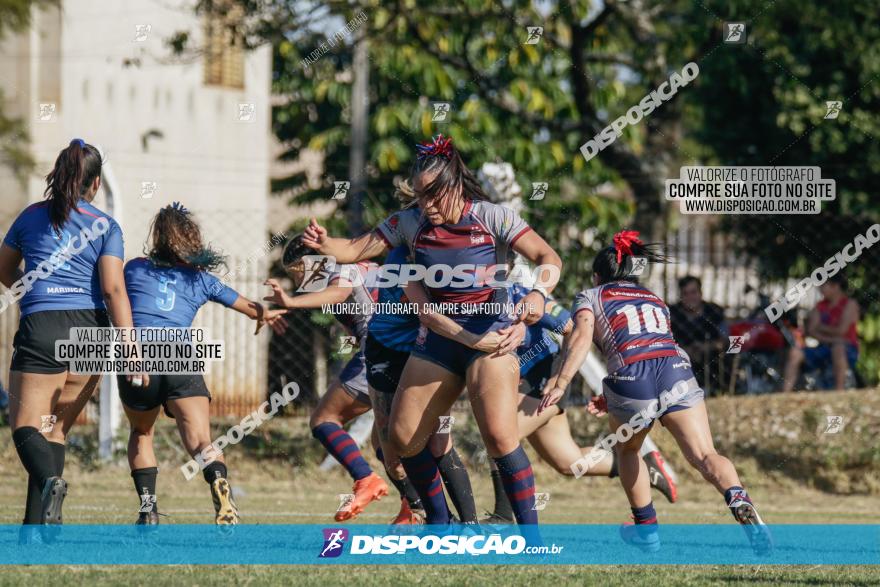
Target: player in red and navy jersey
column 72, row 278
column 455, row 226
column 547, row 430
column 348, row 397
column 650, row 378
column 166, row 289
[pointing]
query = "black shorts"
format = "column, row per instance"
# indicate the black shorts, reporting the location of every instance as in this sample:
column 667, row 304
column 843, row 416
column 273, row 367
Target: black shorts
column 161, row 389
column 384, row 365
column 34, row 343
column 532, row 383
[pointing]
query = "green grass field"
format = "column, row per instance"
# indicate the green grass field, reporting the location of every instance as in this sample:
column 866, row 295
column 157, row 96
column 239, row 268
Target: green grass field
column 278, row 482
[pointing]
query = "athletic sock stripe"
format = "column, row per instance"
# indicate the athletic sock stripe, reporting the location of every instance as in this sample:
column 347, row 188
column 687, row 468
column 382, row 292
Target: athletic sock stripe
column 336, row 434
column 345, row 444
column 524, row 494
column 522, row 474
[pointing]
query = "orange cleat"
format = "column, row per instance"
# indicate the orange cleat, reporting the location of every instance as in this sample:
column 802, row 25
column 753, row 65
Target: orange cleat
column 366, row 490
column 407, row 516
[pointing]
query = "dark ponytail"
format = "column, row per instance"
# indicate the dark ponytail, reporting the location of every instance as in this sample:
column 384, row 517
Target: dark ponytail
column 615, row 263
column 75, row 170
column 442, row 157
column 177, row 239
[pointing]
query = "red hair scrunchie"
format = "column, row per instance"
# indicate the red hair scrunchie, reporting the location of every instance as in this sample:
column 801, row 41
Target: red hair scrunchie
column 623, row 242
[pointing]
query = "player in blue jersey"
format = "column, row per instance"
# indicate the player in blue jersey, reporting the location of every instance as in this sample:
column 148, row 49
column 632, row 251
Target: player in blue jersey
column 650, row 378
column 547, row 430
column 72, row 278
column 166, row 290
column 348, row 396
column 453, row 226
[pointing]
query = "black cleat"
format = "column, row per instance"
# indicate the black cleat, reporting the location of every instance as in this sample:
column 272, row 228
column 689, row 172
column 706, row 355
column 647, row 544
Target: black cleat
column 150, row 518
column 493, row 519
column 54, row 492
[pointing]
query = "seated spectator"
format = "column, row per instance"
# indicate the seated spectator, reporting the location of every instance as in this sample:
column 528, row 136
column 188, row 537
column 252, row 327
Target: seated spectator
column 698, row 326
column 833, row 323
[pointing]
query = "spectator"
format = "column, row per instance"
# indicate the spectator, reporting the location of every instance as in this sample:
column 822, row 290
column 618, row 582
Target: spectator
column 698, row 326
column 833, row 323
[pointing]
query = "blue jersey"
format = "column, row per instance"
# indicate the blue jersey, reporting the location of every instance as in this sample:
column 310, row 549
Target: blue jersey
column 171, row 296
column 69, row 256
column 396, row 331
column 539, row 341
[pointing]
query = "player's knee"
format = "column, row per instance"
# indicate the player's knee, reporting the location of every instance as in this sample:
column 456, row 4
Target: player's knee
column 403, row 441
column 500, row 442
column 440, row 444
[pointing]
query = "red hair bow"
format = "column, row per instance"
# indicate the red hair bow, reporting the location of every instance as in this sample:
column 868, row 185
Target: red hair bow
column 623, row 242
column 438, row 146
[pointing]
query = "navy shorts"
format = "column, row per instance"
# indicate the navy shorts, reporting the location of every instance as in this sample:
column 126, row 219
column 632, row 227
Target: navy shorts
column 354, row 378
column 449, row 354
column 532, row 383
column 162, row 388
column 384, row 365
column 638, row 386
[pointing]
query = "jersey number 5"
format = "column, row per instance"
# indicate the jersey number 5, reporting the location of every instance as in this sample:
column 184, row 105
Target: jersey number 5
column 165, row 302
column 655, row 320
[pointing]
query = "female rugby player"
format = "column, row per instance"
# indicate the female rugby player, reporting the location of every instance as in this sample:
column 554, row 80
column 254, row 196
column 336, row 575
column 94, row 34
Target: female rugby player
column 455, row 225
column 650, row 378
column 72, row 278
column 166, row 289
column 347, row 397
column 547, row 430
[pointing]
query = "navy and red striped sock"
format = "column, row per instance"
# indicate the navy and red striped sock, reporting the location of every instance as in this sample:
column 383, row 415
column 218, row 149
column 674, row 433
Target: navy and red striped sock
column 343, row 448
column 645, row 515
column 422, row 471
column 519, row 484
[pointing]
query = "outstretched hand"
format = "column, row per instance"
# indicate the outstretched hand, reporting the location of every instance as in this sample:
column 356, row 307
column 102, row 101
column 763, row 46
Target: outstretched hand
column 315, row 235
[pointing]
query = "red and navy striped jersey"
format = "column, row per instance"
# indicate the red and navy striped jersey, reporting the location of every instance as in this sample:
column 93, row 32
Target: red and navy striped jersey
column 480, row 239
column 632, row 323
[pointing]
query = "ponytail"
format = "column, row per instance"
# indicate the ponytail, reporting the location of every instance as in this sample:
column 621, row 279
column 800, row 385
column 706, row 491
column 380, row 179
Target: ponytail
column 75, row 170
column 615, row 263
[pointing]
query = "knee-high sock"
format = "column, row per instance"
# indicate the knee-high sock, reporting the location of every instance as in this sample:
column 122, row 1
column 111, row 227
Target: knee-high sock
column 458, row 484
column 343, row 448
column 38, row 458
column 502, row 504
column 425, row 477
column 404, row 487
column 145, row 485
column 519, row 484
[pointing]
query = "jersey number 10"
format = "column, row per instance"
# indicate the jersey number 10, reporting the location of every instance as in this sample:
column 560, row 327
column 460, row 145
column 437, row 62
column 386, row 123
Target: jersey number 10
column 655, row 320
